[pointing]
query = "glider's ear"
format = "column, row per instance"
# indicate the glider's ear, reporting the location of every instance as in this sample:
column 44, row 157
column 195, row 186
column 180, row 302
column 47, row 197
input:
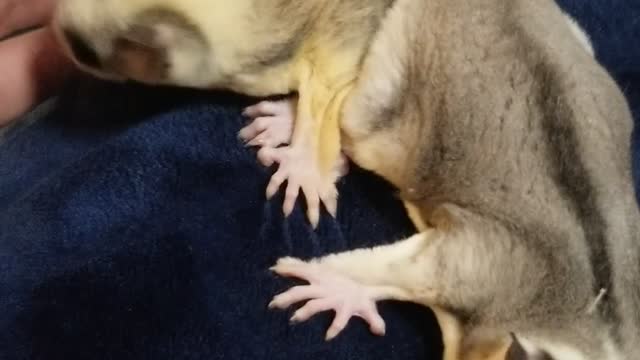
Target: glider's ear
column 143, row 51
column 140, row 54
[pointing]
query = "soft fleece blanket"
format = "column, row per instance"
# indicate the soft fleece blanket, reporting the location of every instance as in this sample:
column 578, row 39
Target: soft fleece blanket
column 133, row 225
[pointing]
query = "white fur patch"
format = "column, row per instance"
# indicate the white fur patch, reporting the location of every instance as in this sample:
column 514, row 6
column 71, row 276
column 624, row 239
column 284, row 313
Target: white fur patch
column 580, row 34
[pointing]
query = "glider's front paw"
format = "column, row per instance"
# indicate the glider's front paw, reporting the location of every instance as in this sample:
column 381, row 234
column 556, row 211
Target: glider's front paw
column 271, row 125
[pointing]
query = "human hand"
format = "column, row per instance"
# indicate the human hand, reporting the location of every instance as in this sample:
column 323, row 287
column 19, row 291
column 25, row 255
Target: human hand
column 32, row 66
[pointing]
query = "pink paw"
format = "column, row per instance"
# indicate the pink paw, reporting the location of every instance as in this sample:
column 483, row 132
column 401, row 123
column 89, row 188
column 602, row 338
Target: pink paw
column 327, row 290
column 272, row 126
column 272, row 123
column 297, row 166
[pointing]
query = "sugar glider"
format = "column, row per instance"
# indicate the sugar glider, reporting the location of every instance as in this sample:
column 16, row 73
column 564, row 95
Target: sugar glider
column 510, row 147
column 255, row 47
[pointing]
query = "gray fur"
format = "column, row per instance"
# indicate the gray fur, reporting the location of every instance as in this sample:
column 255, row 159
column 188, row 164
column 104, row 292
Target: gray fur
column 514, row 132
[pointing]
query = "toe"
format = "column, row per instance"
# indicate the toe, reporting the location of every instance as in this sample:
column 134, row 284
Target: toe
column 248, row 132
column 268, row 140
column 330, row 202
column 290, row 198
column 313, row 215
column 313, row 207
column 295, row 295
column 312, row 308
column 252, row 130
column 280, row 137
column 376, row 323
column 276, row 181
column 339, row 323
column 290, row 267
column 266, row 156
column 290, row 261
column 260, row 109
column 257, row 141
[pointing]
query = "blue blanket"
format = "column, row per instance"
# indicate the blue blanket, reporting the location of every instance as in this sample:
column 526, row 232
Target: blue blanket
column 133, row 225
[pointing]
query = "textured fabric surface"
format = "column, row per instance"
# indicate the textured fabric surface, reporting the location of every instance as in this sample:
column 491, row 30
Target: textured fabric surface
column 133, row 225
